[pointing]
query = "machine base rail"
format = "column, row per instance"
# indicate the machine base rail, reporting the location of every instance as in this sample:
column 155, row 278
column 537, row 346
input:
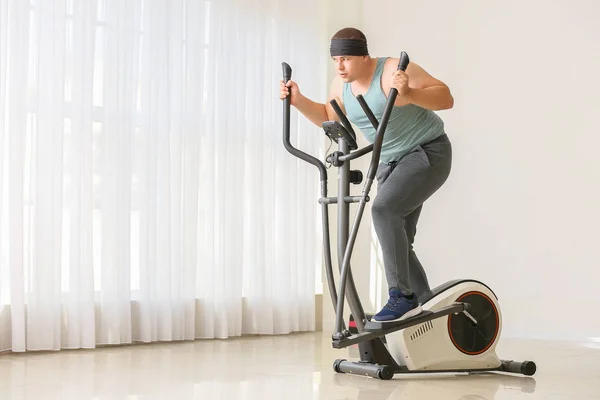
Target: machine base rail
column 386, row 372
column 375, row 329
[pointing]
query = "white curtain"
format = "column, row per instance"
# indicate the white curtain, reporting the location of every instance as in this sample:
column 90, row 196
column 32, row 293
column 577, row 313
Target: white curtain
column 145, row 194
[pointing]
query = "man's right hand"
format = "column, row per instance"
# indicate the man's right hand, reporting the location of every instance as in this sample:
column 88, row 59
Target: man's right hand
column 285, row 89
column 315, row 112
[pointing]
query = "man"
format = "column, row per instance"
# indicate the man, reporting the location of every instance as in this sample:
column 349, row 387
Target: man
column 415, row 157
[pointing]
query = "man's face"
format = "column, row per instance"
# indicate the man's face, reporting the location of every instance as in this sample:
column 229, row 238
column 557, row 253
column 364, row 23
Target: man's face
column 348, row 68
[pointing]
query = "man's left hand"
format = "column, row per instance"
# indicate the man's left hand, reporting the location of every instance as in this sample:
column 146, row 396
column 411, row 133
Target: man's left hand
column 400, row 82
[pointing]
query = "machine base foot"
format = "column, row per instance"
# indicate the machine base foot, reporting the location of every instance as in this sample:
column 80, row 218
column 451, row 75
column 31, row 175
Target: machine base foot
column 386, row 372
column 383, row 372
column 526, row 368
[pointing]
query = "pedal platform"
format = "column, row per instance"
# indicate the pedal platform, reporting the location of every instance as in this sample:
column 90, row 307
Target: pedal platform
column 374, row 326
column 375, row 329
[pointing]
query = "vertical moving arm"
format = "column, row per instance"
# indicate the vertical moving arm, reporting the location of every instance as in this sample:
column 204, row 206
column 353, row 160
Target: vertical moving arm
column 287, row 75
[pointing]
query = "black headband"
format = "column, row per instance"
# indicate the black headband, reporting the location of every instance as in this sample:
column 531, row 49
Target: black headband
column 348, row 47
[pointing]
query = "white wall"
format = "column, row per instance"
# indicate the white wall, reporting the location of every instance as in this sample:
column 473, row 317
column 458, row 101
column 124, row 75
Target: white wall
column 521, row 210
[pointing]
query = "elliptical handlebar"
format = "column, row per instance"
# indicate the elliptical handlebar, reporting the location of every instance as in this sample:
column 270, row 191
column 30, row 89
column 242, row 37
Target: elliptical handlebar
column 287, row 75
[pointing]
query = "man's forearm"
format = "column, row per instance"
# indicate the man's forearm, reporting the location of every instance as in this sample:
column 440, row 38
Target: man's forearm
column 315, row 112
column 432, row 98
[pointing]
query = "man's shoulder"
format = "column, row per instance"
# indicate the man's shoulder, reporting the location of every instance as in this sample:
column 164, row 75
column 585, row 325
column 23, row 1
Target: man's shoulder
column 391, row 62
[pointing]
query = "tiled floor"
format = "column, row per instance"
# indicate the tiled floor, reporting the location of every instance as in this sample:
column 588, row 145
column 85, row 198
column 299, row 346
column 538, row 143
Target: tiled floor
column 284, row 367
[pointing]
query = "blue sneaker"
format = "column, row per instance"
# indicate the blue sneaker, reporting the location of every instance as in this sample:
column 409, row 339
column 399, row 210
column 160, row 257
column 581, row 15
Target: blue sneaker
column 398, row 308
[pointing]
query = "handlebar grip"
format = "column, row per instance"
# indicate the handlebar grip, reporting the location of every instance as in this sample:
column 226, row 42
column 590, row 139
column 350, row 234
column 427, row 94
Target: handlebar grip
column 403, row 63
column 287, row 72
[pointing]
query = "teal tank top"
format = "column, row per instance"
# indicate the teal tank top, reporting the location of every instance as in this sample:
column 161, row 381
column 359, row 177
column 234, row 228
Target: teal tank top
column 409, row 126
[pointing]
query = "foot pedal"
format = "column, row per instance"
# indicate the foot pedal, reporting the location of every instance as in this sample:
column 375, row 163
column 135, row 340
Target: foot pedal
column 373, row 326
column 424, row 316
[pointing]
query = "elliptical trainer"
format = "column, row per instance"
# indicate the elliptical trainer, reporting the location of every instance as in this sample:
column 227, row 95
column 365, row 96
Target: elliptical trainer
column 461, row 321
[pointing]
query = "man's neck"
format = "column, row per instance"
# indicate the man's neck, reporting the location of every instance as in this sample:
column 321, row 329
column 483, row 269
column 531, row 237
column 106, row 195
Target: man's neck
column 367, row 77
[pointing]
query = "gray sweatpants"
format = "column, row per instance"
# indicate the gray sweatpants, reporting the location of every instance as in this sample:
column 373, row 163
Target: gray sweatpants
column 402, row 188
